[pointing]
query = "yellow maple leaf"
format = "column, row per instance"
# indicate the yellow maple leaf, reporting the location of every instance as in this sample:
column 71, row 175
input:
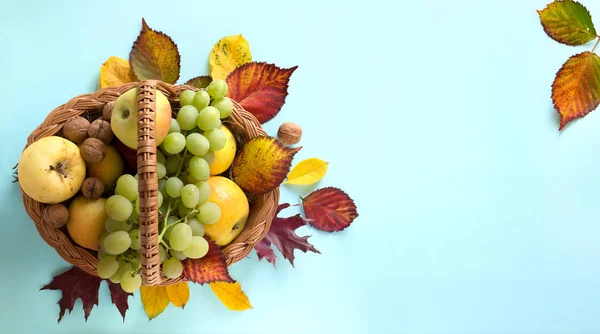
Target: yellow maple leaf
column 227, row 54
column 231, row 295
column 155, row 300
column 307, row 171
column 115, row 72
column 179, row 293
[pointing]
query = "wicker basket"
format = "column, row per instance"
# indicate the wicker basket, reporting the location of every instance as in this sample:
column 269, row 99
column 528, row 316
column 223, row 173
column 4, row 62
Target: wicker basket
column 243, row 125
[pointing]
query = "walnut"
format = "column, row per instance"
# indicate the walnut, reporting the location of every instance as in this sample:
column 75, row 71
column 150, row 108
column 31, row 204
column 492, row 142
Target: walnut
column 101, row 129
column 92, row 188
column 59, row 215
column 107, row 111
column 76, row 129
column 93, row 150
column 289, row 133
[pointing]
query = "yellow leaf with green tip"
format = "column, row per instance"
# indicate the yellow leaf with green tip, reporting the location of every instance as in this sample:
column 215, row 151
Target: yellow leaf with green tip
column 227, row 54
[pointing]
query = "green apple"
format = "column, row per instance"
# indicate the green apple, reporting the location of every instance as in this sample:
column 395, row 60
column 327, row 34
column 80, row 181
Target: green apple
column 124, row 118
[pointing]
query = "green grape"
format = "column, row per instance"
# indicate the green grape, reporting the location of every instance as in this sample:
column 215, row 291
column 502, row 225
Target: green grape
column 101, row 254
column 197, row 144
column 199, row 169
column 107, row 267
column 197, row 248
column 224, row 105
column 186, row 117
column 186, row 97
column 112, row 225
column 209, row 213
column 209, row 157
column 135, row 214
column 162, row 254
column 123, row 267
column 201, row 99
column 101, row 241
column 190, row 179
column 203, row 192
column 174, row 126
column 161, row 187
column 217, row 139
column 160, row 199
column 173, row 187
column 209, row 118
column 182, row 210
column 172, row 164
column 170, row 224
column 180, row 236
column 127, row 186
column 190, row 195
column 196, row 226
column 160, row 157
column 177, row 254
column 130, row 281
column 118, row 207
column 217, row 89
column 117, row 242
column 135, row 239
column 161, row 170
column 135, row 262
column 172, row 267
column 174, row 143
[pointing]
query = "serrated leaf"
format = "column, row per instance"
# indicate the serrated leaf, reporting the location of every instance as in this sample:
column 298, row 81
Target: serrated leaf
column 262, row 165
column 199, row 82
column 260, row 88
column 119, row 297
column 154, row 55
column 210, row 268
column 568, row 22
column 115, row 72
column 227, row 54
column 155, row 300
column 329, row 209
column 576, row 88
column 231, row 295
column 179, row 293
column 307, row 171
column 282, row 234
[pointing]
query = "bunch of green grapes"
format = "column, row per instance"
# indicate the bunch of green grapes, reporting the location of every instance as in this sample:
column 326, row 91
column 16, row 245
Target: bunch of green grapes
column 183, row 168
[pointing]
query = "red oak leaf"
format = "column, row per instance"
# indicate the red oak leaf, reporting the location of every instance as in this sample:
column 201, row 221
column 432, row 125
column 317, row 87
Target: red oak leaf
column 210, row 268
column 329, row 209
column 282, row 234
column 260, row 88
column 119, row 297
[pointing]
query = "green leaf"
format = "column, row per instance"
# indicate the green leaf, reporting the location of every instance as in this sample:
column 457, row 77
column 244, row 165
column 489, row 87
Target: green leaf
column 568, row 22
column 199, row 82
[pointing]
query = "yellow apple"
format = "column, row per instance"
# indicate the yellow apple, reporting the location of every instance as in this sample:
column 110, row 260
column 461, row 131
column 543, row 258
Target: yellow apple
column 224, row 157
column 51, row 170
column 86, row 221
column 124, row 118
column 234, row 210
column 109, row 169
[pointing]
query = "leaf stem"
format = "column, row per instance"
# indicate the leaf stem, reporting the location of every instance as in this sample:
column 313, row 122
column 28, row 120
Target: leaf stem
column 596, row 45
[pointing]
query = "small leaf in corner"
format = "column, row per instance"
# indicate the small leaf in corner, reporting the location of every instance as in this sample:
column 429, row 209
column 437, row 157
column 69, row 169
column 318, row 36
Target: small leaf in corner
column 199, row 82
column 231, row 295
column 568, row 22
column 307, row 172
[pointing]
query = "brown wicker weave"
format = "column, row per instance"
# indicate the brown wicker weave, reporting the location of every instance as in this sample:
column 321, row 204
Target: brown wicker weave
column 244, row 127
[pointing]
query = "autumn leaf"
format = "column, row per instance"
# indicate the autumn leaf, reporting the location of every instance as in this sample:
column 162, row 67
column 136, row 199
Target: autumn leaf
column 208, row 269
column 329, row 209
column 262, row 165
column 231, row 295
column 227, row 54
column 154, row 55
column 260, row 88
column 119, row 297
column 115, row 72
column 179, row 293
column 568, row 22
column 199, row 82
column 307, row 171
column 282, row 234
column 576, row 88
column 155, row 300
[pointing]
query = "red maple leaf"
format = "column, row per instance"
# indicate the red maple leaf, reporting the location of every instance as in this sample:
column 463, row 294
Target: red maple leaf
column 76, row 283
column 210, row 268
column 329, row 209
column 282, row 234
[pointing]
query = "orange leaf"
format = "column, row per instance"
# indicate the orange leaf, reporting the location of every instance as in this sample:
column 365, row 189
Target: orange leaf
column 208, row 269
column 576, row 88
column 154, row 55
column 231, row 295
column 262, row 165
column 155, row 300
column 260, row 88
column 179, row 293
column 329, row 209
column 115, row 72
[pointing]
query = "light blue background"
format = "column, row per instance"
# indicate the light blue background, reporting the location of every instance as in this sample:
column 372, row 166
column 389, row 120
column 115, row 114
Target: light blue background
column 476, row 214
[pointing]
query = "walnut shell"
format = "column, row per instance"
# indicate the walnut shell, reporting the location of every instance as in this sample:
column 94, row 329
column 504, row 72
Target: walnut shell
column 289, row 133
column 107, row 110
column 92, row 188
column 101, row 129
column 76, row 129
column 58, row 214
column 93, row 150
